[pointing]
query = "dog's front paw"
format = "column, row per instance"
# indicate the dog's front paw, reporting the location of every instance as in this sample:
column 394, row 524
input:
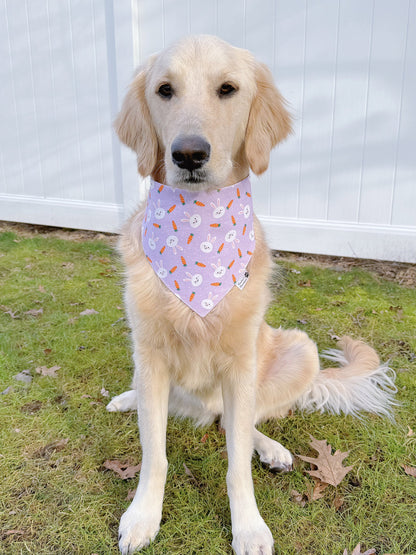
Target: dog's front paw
column 256, row 540
column 137, row 529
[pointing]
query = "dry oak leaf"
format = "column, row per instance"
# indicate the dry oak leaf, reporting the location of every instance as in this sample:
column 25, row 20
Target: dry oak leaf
column 45, row 371
column 410, row 470
column 357, row 551
column 130, row 494
column 329, row 468
column 88, row 312
column 125, row 471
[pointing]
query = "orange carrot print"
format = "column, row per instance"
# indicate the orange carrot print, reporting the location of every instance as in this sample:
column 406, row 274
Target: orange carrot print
column 149, row 259
column 145, row 232
column 191, row 236
column 200, row 264
column 199, row 203
column 157, row 225
column 175, row 228
column 177, row 285
column 220, row 249
column 215, row 225
column 238, row 192
column 244, row 228
column 191, row 298
column 216, row 284
column 160, row 189
column 239, row 253
column 173, row 269
column 182, row 199
column 234, row 278
column 171, row 209
column 248, row 194
column 249, row 253
column 162, row 250
column 229, row 204
column 233, row 220
column 230, row 264
column 183, row 261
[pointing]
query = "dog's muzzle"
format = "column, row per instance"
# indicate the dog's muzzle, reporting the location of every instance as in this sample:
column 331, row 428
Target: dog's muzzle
column 190, row 152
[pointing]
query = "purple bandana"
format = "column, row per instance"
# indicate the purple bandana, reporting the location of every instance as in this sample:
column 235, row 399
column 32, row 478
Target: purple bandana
column 199, row 244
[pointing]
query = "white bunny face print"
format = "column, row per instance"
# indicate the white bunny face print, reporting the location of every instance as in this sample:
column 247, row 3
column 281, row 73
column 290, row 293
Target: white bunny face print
column 219, row 210
column 208, row 245
column 194, row 220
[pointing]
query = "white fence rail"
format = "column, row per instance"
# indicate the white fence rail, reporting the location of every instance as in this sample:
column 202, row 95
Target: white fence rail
column 344, row 183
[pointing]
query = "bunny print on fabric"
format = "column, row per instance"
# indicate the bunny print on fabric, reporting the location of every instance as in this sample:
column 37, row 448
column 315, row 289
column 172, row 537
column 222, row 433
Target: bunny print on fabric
column 199, row 243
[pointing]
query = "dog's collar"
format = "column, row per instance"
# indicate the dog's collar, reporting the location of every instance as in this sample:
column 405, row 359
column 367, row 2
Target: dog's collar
column 199, row 243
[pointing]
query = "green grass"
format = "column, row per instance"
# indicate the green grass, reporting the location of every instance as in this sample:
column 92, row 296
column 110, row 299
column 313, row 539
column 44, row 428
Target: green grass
column 63, row 502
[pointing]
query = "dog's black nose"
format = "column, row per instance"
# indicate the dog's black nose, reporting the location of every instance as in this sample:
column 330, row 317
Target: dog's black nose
column 190, row 152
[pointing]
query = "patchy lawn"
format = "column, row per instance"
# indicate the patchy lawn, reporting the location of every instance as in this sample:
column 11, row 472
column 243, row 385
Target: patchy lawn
column 62, row 330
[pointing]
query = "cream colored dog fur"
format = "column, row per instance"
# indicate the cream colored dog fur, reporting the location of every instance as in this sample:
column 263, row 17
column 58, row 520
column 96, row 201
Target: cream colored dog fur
column 230, row 363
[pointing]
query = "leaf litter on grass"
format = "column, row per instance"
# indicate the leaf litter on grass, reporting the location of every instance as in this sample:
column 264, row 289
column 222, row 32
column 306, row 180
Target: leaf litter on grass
column 329, row 467
column 90, row 509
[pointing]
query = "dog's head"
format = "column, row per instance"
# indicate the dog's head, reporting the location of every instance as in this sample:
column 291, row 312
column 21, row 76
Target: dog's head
column 200, row 112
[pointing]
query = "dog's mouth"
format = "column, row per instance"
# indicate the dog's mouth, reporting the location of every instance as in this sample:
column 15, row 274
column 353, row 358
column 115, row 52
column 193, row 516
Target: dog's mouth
column 195, row 180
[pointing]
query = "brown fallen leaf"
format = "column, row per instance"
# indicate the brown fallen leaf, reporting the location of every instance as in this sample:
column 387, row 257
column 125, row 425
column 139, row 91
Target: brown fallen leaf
column 204, row 438
column 34, row 312
column 188, row 472
column 410, row 470
column 46, row 451
column 298, row 498
column 45, row 371
column 88, row 312
column 14, row 532
column 130, row 494
column 31, row 408
column 317, row 491
column 357, row 551
column 124, row 470
column 329, row 468
column 305, row 283
column 338, row 502
column 9, row 311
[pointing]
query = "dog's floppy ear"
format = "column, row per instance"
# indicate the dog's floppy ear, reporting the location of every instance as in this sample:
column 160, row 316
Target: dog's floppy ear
column 269, row 122
column 134, row 126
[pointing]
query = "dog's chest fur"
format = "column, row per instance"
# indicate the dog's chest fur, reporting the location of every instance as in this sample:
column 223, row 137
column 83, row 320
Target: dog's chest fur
column 194, row 348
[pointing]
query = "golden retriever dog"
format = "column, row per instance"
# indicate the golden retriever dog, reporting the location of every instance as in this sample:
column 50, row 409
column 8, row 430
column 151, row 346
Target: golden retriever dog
column 200, row 115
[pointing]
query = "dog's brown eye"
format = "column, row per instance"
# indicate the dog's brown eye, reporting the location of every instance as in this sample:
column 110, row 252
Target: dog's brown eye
column 226, row 89
column 165, row 91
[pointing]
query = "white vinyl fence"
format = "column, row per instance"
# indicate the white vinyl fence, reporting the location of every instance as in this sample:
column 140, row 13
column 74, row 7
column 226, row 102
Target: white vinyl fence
column 343, row 184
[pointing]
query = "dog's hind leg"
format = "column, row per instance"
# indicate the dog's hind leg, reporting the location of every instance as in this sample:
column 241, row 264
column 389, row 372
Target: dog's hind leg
column 272, row 453
column 288, row 364
column 124, row 402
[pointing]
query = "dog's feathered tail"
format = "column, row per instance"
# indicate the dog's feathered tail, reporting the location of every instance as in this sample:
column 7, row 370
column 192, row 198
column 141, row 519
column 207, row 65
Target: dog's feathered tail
column 360, row 383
